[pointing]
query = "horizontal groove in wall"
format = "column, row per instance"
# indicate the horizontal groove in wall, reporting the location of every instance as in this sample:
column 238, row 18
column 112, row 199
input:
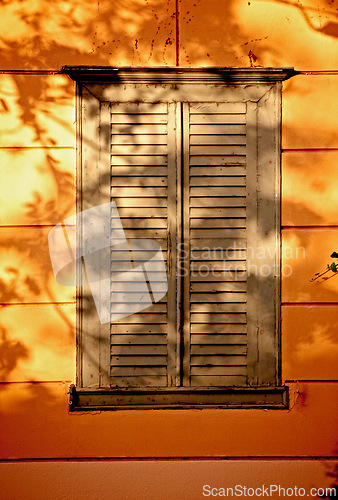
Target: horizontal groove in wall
column 309, row 303
column 318, row 72
column 310, row 150
column 307, row 381
column 33, row 226
column 57, row 71
column 37, row 147
column 36, row 382
column 326, row 226
column 288, row 227
column 293, row 150
column 29, row 71
column 12, row 304
column 172, row 459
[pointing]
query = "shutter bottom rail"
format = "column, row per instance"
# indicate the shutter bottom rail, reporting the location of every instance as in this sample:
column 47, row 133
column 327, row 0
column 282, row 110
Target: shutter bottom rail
column 81, row 399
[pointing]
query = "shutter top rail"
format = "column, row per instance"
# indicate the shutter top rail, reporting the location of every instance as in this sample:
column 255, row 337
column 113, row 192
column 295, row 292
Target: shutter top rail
column 212, row 75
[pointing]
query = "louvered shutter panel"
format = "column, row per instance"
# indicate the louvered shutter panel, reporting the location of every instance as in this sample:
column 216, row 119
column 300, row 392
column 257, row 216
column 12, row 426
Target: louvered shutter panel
column 189, row 157
column 215, row 286
column 140, row 137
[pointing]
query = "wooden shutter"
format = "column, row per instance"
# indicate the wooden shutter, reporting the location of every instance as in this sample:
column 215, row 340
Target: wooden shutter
column 215, row 288
column 216, row 199
column 141, row 174
column 190, row 159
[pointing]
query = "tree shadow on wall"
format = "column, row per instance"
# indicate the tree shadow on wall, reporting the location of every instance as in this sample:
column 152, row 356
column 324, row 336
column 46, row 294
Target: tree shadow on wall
column 329, row 28
column 11, row 351
column 332, row 472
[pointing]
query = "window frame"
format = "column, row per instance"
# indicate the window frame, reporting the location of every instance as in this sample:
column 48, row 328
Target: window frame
column 91, row 391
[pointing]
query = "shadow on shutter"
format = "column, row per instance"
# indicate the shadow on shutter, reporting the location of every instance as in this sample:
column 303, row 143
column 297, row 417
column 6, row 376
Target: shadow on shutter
column 139, row 186
column 215, row 229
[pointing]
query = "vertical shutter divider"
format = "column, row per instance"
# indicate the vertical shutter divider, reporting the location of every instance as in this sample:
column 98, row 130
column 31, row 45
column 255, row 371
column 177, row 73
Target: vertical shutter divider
column 252, row 241
column 268, row 189
column 174, row 165
column 105, row 195
column 185, row 272
column 95, row 347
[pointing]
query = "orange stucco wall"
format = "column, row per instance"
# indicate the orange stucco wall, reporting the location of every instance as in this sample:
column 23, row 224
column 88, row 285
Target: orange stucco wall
column 37, row 190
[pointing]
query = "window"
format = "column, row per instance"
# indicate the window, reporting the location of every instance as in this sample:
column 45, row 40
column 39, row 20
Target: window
column 192, row 160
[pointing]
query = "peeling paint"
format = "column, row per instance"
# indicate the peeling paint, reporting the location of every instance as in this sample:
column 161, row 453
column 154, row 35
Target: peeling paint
column 252, row 57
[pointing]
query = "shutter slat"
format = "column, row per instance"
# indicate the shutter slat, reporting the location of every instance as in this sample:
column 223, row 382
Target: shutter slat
column 215, row 308
column 217, row 160
column 139, row 192
column 137, row 108
column 131, row 213
column 218, row 370
column 224, row 243
column 219, row 349
column 221, row 118
column 207, row 223
column 139, row 149
column 218, row 297
column 137, row 358
column 213, row 337
column 207, row 381
column 137, row 202
column 138, row 160
column 142, row 371
column 216, row 129
column 217, row 265
column 145, row 181
column 217, row 287
column 216, row 276
column 126, row 307
column 147, row 381
column 225, row 233
column 218, row 139
column 138, row 129
column 143, row 329
column 216, row 170
column 224, row 201
column 223, row 254
column 218, row 191
column 137, row 118
column 146, row 341
column 218, row 318
column 133, row 139
column 140, row 170
column 220, row 107
column 138, row 286
column 143, row 318
column 226, row 149
column 125, row 350
column 225, row 360
column 146, row 222
column 225, row 181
